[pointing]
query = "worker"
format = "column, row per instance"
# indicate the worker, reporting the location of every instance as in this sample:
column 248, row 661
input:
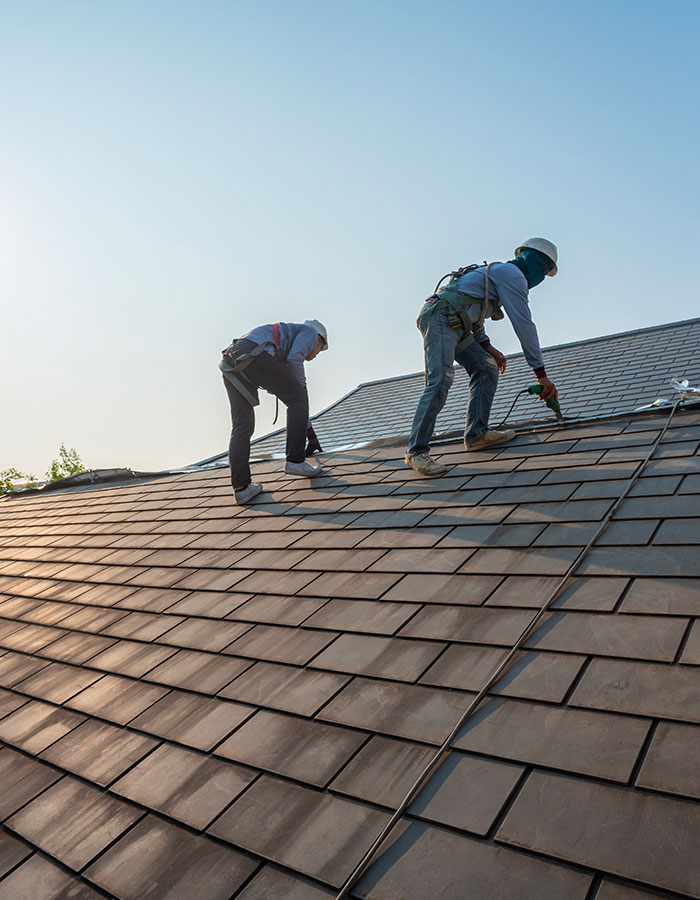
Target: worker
column 271, row 357
column 452, row 324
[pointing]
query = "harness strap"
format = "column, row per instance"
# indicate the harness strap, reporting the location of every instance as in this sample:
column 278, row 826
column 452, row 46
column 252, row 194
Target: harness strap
column 480, row 321
column 276, row 342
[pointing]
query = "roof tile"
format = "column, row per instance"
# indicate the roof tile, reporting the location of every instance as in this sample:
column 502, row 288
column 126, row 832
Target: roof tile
column 577, row 816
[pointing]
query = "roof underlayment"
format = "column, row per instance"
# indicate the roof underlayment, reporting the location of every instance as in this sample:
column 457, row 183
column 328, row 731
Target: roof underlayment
column 199, row 700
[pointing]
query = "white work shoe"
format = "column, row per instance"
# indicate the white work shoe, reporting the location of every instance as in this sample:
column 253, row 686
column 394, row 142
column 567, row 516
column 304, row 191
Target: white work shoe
column 303, row 469
column 247, row 493
column 425, row 464
column 489, row 438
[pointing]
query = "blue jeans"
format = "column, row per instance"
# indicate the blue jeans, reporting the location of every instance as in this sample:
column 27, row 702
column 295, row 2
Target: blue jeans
column 440, row 342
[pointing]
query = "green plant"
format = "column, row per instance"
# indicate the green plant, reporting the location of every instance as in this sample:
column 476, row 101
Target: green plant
column 68, row 463
column 10, row 477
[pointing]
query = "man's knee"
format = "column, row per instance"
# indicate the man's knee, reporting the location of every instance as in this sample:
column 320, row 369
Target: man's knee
column 243, row 421
column 294, row 396
column 441, row 382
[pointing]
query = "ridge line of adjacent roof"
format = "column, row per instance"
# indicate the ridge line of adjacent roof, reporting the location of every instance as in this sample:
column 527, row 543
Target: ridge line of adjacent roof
column 264, row 437
column 592, row 340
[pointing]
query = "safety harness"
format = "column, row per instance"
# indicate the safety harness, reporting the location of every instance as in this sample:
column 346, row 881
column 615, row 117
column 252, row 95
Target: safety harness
column 234, row 363
column 457, row 303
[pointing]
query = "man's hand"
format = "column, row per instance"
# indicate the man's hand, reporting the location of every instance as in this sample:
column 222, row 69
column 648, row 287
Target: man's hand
column 548, row 389
column 312, row 442
column 498, row 356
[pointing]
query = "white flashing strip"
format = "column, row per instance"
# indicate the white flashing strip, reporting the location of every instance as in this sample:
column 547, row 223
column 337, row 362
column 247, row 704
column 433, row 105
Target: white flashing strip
column 685, row 392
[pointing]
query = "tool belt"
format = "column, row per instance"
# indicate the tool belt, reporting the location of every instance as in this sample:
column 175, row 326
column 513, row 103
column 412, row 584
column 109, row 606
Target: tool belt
column 235, row 360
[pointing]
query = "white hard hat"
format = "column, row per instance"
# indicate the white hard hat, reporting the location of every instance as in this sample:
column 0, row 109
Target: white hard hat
column 320, row 329
column 544, row 246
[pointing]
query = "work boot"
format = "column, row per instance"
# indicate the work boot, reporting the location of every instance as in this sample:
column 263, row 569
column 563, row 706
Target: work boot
column 489, row 438
column 425, row 464
column 304, row 469
column 246, row 494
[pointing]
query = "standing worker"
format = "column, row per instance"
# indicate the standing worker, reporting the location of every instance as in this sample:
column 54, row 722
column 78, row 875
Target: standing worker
column 271, row 357
column 452, row 324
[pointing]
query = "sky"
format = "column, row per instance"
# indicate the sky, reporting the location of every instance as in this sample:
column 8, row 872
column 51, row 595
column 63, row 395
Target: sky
column 174, row 173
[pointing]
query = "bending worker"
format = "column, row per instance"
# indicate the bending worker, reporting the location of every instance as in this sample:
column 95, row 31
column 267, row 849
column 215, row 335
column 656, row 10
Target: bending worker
column 270, row 357
column 452, row 324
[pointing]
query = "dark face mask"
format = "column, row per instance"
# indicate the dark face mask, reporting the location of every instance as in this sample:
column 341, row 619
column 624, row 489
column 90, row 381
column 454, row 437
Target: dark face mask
column 533, row 264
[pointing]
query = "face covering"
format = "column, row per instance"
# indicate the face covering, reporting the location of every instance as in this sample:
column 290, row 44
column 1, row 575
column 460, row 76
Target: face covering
column 533, row 265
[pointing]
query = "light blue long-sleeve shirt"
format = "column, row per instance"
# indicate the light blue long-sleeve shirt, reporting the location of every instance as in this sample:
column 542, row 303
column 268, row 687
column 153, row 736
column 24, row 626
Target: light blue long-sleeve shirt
column 295, row 344
column 509, row 285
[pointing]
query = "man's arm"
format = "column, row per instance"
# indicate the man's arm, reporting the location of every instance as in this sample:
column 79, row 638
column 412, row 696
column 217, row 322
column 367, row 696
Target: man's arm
column 513, row 296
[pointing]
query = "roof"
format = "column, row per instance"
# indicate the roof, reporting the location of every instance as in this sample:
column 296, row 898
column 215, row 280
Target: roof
column 597, row 377
column 211, row 701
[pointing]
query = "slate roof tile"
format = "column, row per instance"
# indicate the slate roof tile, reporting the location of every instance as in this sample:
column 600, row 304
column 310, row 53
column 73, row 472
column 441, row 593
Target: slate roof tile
column 157, row 859
column 672, row 763
column 184, row 785
column 73, row 821
column 578, row 741
column 130, row 658
column 39, row 879
column 392, row 658
column 265, row 820
column 35, row 725
column 534, row 675
column 98, row 751
column 12, row 852
column 635, row 637
column 305, row 750
column 443, row 588
column 198, row 722
column 57, row 682
column 600, row 594
column 424, row 861
column 644, row 827
column 22, row 779
column 674, row 596
column 645, row 689
column 289, row 688
column 15, row 667
column 400, row 710
column 270, row 884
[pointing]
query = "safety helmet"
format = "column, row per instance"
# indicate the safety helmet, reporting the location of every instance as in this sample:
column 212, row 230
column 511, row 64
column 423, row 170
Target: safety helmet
column 543, row 246
column 320, row 330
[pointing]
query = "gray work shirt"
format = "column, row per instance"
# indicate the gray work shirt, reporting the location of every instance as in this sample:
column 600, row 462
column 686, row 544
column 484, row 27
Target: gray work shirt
column 509, row 285
column 295, row 344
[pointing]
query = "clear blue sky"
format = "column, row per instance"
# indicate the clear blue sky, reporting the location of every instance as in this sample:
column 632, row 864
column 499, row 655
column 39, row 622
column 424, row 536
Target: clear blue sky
column 175, row 173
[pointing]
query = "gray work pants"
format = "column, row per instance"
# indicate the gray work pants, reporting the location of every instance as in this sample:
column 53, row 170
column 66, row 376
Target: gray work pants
column 272, row 375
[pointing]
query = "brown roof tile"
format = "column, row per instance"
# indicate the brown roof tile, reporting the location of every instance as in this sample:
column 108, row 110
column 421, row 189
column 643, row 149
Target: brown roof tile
column 200, row 722
column 98, row 752
column 672, row 763
column 292, row 689
column 575, row 740
column 423, row 861
column 184, row 785
column 73, row 821
column 298, row 748
column 157, row 859
column 265, row 820
column 41, row 880
column 647, row 828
